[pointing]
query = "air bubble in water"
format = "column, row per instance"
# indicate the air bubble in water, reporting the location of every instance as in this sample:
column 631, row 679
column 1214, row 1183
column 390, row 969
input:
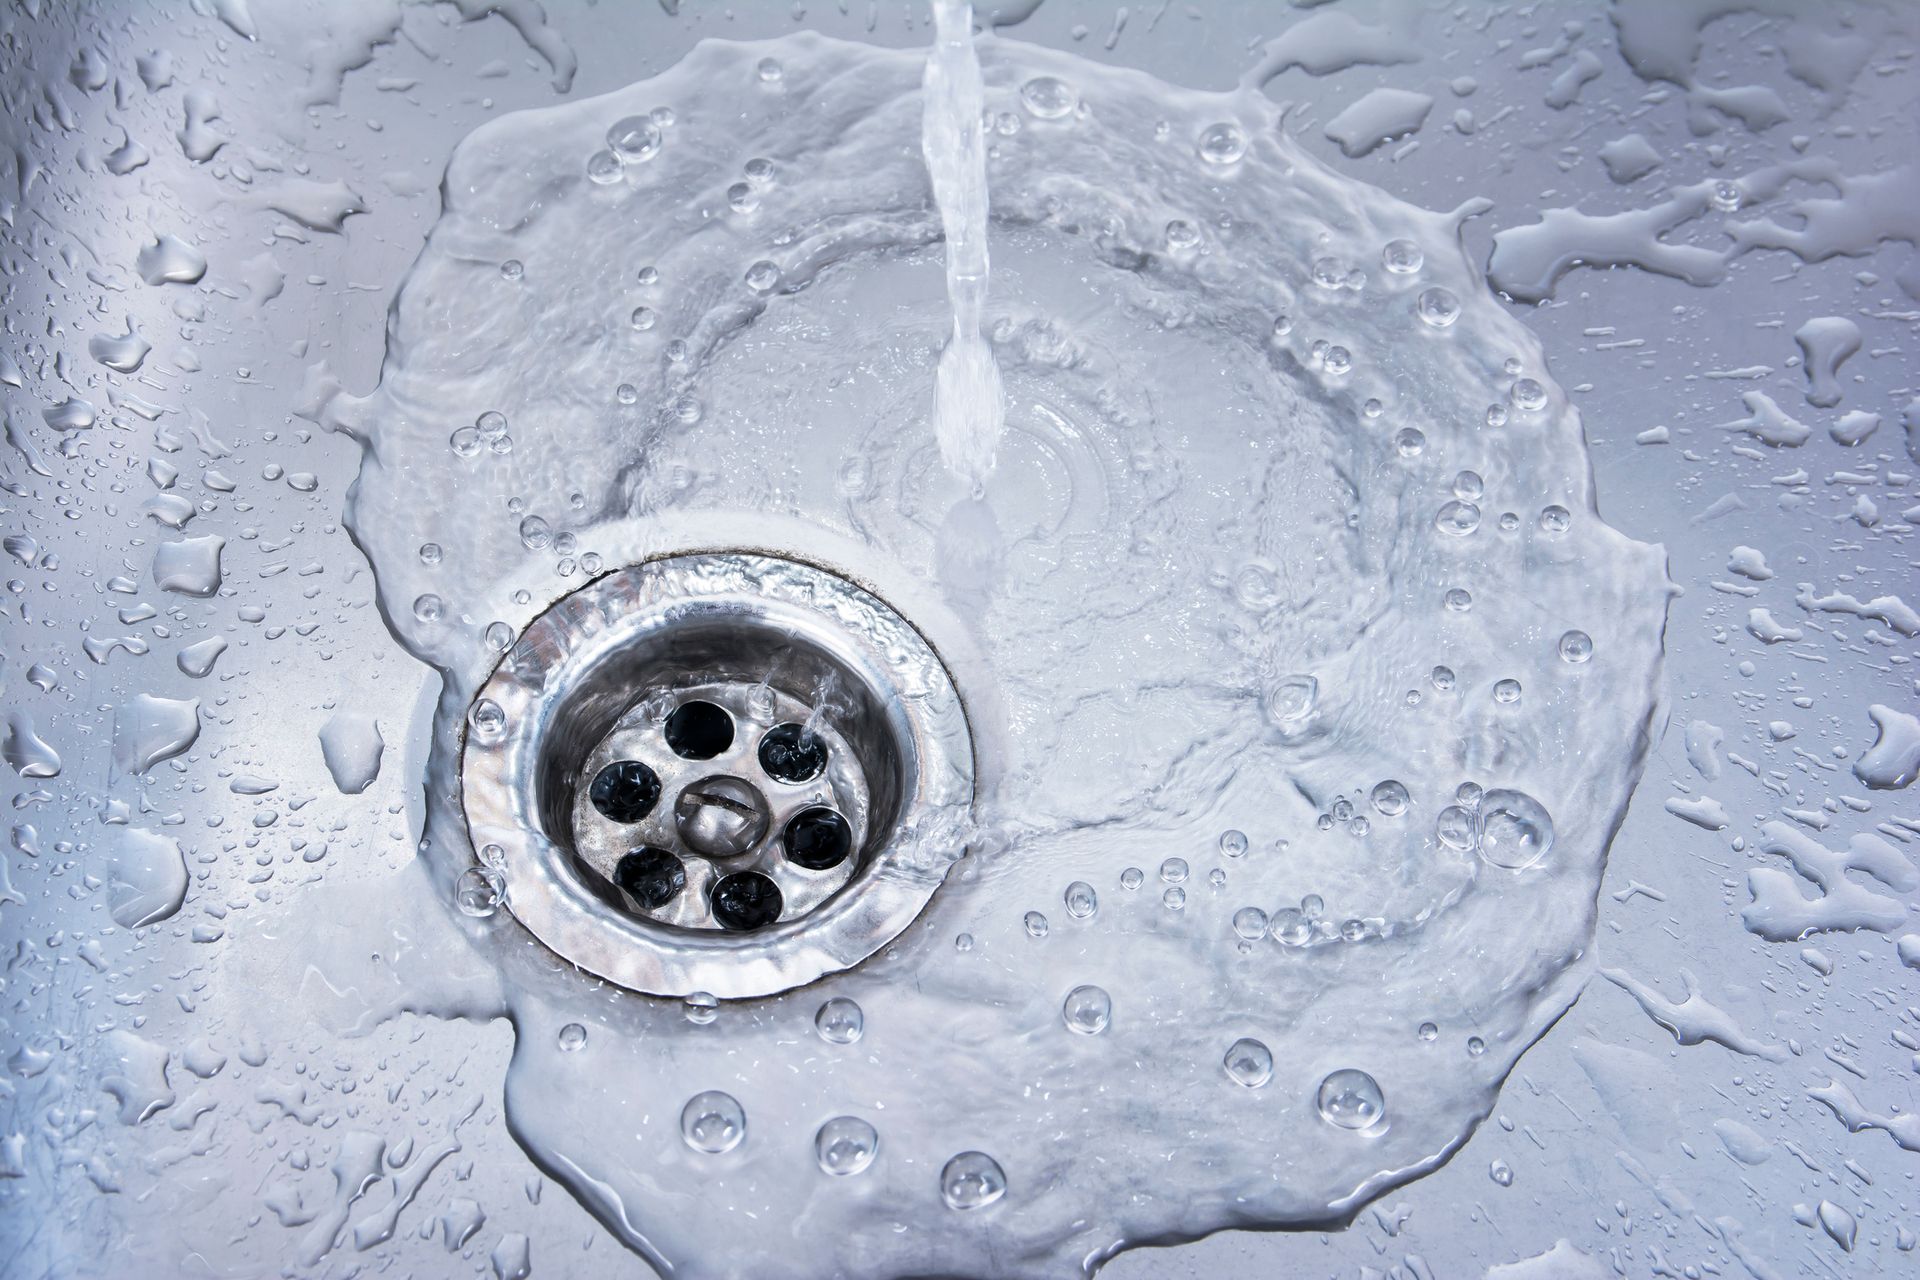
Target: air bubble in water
column 1248, row 1063
column 972, row 1180
column 1047, row 98
column 1576, row 647
column 1087, row 1010
column 1389, row 798
column 1438, row 306
column 845, row 1145
column 1454, row 828
column 572, row 1038
column 839, row 1021
column 1081, row 900
column 478, row 891
column 1402, row 257
column 1223, row 144
column 1351, row 1099
column 713, row 1123
column 1515, row 829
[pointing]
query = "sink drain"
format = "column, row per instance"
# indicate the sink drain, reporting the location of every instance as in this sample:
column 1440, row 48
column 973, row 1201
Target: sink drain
column 726, row 773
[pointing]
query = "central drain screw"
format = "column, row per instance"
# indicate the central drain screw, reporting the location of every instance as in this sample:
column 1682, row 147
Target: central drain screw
column 721, row 816
column 746, row 900
column 625, row 791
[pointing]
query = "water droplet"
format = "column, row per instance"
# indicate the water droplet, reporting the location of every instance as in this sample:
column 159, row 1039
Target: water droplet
column 1501, row 1173
column 1248, row 1063
column 1402, row 257
column 1428, row 1032
column 1337, row 360
column 845, row 1145
column 1475, row 1046
column 701, row 1008
column 1528, row 394
column 478, row 891
column 487, row 719
column 1506, row 691
column 499, row 636
column 1555, row 519
column 1409, row 441
column 572, row 1038
column 604, row 167
column 1351, row 1099
column 839, row 1021
column 1223, row 144
column 643, row 318
column 742, row 198
column 634, row 138
column 762, row 276
column 1726, row 196
column 712, row 1122
column 1233, row 844
column 428, row 607
column 1468, row 486
column 512, row 269
column 1035, row 924
column 972, row 1180
column 1289, row 927
column 1442, row 678
column 430, row 553
column 1250, row 923
column 1047, row 98
column 1457, row 519
column 1173, row 870
column 1438, row 307
column 1182, row 234
column 1087, row 1010
column 1458, row 599
column 465, row 441
column 1515, row 829
column 1132, row 878
column 1576, row 647
column 1081, row 900
column 1174, row 898
column 770, row 71
column 535, row 533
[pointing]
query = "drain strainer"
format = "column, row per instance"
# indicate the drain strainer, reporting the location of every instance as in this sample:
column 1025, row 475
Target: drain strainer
column 725, row 773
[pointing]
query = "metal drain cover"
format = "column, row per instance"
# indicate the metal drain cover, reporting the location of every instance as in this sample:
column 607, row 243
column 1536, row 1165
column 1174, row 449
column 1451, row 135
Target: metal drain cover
column 726, row 773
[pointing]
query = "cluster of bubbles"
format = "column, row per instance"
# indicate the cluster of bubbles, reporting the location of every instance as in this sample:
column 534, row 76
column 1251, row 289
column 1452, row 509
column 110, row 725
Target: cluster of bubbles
column 1507, row 828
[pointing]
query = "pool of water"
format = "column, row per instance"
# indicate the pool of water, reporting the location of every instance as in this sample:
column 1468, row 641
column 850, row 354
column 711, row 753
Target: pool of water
column 1419, row 425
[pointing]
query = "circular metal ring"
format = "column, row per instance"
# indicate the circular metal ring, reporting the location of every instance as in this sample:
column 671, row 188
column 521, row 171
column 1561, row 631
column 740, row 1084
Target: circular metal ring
column 594, row 678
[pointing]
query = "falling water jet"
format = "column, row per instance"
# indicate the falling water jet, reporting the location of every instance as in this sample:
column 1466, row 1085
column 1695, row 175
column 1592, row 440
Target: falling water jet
column 968, row 416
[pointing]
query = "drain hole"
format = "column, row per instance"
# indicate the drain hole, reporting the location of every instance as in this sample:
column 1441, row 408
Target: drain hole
column 746, row 900
column 652, row 877
column 699, row 731
column 791, row 754
column 625, row 791
column 817, row 839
